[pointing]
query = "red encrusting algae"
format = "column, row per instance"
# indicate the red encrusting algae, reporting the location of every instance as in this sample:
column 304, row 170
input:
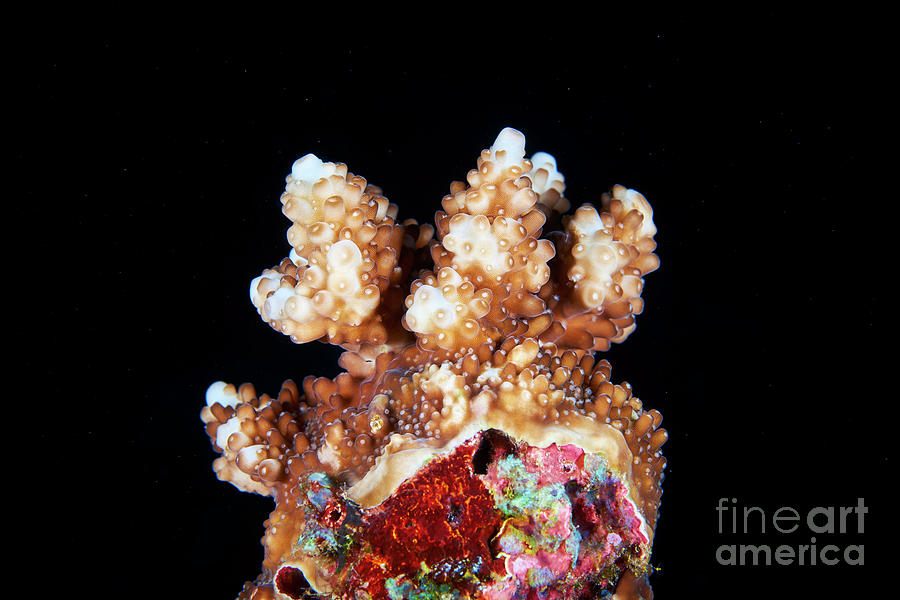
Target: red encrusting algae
column 443, row 514
column 494, row 518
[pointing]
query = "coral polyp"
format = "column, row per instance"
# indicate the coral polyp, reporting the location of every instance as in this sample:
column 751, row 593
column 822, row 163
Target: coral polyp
column 474, row 447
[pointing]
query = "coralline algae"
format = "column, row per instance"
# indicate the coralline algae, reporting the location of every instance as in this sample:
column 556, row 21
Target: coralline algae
column 494, row 518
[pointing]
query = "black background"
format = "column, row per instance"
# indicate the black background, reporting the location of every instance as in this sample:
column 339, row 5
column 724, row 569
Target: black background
column 148, row 161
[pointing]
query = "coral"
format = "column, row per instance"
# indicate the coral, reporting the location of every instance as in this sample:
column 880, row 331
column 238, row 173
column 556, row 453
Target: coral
column 604, row 257
column 345, row 254
column 474, row 446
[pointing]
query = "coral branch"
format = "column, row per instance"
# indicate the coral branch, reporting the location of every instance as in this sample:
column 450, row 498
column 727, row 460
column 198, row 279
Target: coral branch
column 603, row 258
column 345, row 251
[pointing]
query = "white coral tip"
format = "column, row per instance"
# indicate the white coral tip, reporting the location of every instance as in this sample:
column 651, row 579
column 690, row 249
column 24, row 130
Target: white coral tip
column 511, row 141
column 223, row 393
column 308, row 168
column 545, row 160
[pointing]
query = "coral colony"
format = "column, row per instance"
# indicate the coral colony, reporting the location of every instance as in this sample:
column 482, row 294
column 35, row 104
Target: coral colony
column 474, row 447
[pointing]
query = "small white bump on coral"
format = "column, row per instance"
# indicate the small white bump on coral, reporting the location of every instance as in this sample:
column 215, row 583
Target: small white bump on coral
column 634, row 200
column 226, row 429
column 263, row 285
column 222, row 393
column 508, row 149
column 310, row 168
column 544, row 174
column 345, row 265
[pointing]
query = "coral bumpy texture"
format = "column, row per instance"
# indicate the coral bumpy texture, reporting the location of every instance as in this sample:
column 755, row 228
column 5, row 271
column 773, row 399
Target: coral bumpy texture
column 474, row 446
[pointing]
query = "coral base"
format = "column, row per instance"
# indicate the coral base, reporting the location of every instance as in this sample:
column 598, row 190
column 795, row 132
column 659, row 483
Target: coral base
column 495, row 519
